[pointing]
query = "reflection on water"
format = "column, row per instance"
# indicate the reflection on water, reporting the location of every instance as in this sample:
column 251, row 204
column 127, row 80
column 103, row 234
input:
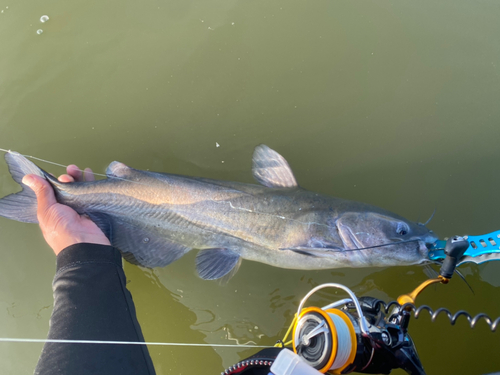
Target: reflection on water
column 247, row 311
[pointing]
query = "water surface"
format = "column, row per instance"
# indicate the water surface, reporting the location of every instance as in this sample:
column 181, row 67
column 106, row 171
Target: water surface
column 393, row 103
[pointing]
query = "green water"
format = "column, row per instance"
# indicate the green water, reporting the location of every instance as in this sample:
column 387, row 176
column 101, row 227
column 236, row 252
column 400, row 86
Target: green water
column 394, row 103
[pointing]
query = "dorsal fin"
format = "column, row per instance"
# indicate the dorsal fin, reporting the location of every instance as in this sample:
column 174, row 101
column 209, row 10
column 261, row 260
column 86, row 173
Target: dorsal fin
column 271, row 169
column 117, row 169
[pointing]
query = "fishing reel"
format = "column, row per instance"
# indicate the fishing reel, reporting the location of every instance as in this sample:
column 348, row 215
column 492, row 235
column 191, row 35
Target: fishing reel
column 364, row 334
column 354, row 334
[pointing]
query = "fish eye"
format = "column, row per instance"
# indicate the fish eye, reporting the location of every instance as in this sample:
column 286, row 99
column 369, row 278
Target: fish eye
column 402, row 229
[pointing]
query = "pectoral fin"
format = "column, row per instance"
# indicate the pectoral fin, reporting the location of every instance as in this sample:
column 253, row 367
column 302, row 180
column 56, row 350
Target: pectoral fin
column 271, row 169
column 213, row 264
column 141, row 246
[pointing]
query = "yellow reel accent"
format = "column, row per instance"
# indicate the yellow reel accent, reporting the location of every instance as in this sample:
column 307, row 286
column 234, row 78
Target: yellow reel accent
column 352, row 333
column 333, row 334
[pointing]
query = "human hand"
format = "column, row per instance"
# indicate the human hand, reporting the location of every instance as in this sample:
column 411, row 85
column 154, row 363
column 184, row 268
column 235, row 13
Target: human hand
column 61, row 225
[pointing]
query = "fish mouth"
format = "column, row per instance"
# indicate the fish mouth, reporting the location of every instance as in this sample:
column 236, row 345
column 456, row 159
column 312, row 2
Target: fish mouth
column 424, row 247
column 429, row 242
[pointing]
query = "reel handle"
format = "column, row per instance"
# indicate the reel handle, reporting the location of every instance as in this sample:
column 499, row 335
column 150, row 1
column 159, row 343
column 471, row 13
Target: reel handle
column 454, row 249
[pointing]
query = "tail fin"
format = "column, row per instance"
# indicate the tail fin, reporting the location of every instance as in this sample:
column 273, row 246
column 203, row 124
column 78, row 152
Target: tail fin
column 21, row 206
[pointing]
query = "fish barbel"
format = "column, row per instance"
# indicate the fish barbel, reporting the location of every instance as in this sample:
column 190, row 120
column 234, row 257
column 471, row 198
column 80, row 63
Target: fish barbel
column 156, row 218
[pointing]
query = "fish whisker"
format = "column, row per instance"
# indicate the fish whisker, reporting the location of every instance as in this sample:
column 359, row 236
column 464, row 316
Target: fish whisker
column 460, row 274
column 330, row 250
column 428, row 221
column 377, row 246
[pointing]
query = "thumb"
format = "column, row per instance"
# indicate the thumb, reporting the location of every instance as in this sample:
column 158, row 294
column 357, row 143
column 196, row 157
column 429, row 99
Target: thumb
column 43, row 190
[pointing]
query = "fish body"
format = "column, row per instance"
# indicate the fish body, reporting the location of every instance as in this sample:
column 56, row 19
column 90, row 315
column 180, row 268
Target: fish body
column 155, row 218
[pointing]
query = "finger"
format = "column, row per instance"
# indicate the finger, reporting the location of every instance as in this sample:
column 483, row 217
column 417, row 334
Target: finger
column 89, row 175
column 74, row 172
column 66, row 178
column 43, row 190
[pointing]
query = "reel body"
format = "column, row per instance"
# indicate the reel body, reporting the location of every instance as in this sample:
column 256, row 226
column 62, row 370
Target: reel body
column 331, row 340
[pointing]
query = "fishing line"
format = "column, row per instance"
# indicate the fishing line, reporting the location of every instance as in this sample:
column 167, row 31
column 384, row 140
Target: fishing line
column 57, row 341
column 81, row 170
column 48, row 161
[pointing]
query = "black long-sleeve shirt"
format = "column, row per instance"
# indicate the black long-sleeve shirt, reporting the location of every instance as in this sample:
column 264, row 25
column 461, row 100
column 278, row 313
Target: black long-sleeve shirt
column 91, row 302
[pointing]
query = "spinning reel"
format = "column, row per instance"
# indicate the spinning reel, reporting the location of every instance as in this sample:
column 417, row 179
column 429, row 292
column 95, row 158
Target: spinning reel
column 363, row 334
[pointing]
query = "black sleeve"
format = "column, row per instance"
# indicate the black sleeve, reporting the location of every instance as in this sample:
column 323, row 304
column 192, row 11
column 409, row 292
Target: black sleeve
column 91, row 302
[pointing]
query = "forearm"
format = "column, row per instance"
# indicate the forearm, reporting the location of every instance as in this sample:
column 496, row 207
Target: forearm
column 91, row 302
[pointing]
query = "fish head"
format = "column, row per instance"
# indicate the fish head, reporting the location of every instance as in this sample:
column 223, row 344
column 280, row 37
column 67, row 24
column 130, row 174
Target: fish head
column 383, row 239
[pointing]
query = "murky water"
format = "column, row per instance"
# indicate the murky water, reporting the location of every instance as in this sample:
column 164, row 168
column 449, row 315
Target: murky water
column 387, row 102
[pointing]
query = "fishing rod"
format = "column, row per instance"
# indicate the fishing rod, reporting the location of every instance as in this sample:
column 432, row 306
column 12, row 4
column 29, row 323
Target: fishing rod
column 365, row 334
